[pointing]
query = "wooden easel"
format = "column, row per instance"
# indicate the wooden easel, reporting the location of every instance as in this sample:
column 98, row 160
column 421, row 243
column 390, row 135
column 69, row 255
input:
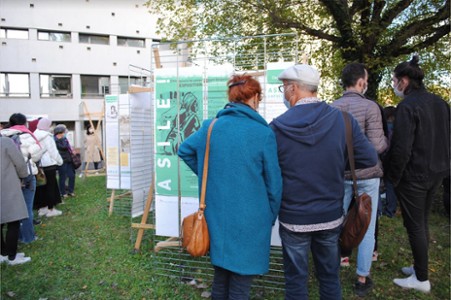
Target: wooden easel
column 143, row 225
column 100, row 115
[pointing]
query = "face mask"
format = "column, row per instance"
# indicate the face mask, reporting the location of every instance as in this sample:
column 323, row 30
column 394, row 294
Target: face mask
column 286, row 102
column 398, row 92
column 365, row 89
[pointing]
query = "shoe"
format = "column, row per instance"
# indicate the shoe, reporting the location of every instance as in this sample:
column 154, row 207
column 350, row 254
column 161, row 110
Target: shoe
column 64, row 196
column 408, row 270
column 36, row 222
column 4, row 258
column 53, row 213
column 81, row 175
column 412, row 282
column 43, row 211
column 19, row 260
column 375, row 256
column 344, row 262
column 362, row 289
column 71, row 194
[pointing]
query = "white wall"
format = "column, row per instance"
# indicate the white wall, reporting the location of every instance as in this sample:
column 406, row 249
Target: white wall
column 33, row 56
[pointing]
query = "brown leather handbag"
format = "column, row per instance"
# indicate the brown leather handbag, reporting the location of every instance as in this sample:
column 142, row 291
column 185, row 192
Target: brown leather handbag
column 358, row 217
column 195, row 237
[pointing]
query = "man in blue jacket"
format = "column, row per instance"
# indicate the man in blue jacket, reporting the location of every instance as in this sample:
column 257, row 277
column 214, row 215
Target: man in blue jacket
column 312, row 156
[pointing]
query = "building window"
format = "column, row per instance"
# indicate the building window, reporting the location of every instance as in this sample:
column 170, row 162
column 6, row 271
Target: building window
column 94, row 39
column 125, row 82
column 9, row 33
column 55, row 85
column 14, row 85
column 130, row 42
column 94, row 86
column 54, row 36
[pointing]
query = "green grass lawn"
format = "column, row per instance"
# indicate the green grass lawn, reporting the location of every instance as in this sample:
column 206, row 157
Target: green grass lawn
column 84, row 254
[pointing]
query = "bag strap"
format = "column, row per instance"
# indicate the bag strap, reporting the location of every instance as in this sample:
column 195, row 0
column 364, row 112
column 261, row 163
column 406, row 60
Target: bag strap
column 205, row 172
column 350, row 147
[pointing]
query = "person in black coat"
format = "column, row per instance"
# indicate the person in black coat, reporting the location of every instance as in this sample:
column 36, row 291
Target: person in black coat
column 419, row 159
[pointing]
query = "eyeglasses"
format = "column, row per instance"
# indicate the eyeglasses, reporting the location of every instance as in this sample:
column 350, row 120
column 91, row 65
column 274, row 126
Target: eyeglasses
column 282, row 87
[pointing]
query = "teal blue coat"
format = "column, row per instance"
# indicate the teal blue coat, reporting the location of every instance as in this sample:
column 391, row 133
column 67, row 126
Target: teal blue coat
column 244, row 187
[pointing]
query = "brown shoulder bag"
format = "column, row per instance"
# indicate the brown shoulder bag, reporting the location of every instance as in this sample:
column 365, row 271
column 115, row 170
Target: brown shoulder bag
column 195, row 237
column 358, row 217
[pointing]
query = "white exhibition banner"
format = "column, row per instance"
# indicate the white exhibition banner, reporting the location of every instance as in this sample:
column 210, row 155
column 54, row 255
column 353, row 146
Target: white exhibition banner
column 129, row 134
column 112, row 141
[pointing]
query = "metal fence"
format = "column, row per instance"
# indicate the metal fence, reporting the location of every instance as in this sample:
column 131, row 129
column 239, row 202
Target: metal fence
column 245, row 54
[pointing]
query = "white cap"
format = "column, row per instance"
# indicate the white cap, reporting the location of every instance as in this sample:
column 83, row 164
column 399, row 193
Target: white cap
column 304, row 73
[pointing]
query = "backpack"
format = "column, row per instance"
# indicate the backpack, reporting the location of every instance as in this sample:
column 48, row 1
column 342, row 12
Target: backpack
column 16, row 139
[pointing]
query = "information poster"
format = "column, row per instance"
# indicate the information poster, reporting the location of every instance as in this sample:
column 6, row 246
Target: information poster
column 178, row 114
column 274, row 106
column 112, row 141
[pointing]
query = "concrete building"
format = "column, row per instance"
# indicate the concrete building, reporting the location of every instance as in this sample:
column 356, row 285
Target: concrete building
column 57, row 54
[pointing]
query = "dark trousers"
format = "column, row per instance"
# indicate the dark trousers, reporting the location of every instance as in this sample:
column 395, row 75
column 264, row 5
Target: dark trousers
column 66, row 171
column 415, row 199
column 228, row 285
column 9, row 244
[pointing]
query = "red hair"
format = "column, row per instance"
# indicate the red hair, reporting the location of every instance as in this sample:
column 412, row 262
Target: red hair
column 242, row 88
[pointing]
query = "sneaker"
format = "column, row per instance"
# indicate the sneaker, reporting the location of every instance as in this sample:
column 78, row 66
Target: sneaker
column 412, row 282
column 36, row 221
column 344, row 262
column 375, row 256
column 408, row 270
column 71, row 194
column 43, row 211
column 64, row 196
column 362, row 289
column 53, row 213
column 4, row 258
column 19, row 260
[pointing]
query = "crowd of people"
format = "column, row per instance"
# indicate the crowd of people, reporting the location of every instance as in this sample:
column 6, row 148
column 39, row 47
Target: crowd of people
column 296, row 168
column 22, row 152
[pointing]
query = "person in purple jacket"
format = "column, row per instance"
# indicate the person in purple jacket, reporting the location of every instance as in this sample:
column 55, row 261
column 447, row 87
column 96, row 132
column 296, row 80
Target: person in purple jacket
column 312, row 156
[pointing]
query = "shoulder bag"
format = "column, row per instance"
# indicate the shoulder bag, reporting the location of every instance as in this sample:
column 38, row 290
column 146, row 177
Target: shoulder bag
column 41, row 179
column 358, row 217
column 195, row 237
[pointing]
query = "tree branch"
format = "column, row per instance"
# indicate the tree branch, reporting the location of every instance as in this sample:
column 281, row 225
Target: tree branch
column 277, row 20
column 440, row 32
column 420, row 28
column 339, row 11
column 392, row 13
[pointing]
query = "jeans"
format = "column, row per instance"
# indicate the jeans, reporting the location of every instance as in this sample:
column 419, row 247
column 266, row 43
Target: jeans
column 296, row 247
column 390, row 199
column 26, row 225
column 66, row 170
column 228, row 285
column 366, row 246
column 415, row 199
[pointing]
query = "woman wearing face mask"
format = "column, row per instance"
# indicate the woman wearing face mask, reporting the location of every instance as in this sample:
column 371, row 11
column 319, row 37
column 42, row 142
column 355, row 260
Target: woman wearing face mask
column 418, row 160
column 66, row 170
column 244, row 188
column 92, row 153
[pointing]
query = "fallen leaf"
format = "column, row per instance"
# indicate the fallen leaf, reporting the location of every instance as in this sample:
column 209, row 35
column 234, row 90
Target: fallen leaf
column 11, row 294
column 205, row 294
